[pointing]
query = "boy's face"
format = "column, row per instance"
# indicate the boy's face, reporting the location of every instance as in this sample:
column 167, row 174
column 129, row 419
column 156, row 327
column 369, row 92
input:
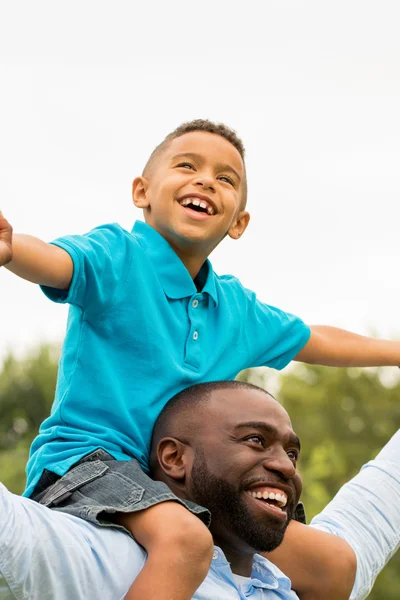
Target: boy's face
column 194, row 193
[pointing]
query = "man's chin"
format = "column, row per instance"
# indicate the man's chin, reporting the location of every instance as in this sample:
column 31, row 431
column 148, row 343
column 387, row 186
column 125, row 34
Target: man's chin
column 267, row 513
column 260, row 527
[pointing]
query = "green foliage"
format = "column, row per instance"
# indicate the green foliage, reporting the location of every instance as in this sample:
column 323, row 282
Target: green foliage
column 342, row 416
column 26, row 395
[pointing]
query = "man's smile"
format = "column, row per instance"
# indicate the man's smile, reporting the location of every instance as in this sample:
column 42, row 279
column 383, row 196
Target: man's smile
column 270, row 499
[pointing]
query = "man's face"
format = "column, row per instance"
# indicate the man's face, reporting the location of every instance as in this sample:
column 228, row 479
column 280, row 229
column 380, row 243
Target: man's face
column 194, row 191
column 244, row 470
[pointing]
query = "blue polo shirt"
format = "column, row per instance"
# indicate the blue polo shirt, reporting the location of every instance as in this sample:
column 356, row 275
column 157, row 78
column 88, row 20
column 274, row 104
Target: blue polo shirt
column 138, row 333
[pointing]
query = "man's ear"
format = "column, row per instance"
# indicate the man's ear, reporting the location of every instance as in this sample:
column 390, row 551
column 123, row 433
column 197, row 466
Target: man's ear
column 173, row 457
column 238, row 228
column 139, row 192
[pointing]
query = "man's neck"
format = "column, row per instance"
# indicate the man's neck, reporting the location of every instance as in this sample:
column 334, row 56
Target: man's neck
column 241, row 563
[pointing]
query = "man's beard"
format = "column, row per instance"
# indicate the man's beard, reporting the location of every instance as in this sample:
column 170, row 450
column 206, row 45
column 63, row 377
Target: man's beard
column 228, row 508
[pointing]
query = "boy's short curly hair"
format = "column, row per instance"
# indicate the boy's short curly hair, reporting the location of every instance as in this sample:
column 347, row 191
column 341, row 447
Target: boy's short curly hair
column 199, row 125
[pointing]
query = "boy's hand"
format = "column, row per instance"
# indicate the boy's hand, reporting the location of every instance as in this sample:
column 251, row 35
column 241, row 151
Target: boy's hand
column 5, row 241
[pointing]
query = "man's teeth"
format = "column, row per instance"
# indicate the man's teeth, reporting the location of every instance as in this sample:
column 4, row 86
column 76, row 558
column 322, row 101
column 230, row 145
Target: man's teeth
column 197, row 202
column 281, row 499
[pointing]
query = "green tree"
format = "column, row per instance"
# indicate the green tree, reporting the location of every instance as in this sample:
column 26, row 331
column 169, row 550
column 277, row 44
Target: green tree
column 26, row 395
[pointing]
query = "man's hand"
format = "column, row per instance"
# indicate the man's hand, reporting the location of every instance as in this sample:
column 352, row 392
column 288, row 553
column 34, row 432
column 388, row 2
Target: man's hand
column 5, row 241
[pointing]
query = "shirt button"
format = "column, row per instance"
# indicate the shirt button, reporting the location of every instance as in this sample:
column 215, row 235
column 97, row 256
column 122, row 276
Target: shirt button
column 215, row 555
column 195, row 303
column 195, row 335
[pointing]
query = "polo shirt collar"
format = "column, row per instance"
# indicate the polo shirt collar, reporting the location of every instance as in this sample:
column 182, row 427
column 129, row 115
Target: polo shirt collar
column 174, row 276
column 265, row 574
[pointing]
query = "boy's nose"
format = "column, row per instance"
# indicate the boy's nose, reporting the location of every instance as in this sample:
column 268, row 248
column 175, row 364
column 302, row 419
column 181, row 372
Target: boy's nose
column 205, row 182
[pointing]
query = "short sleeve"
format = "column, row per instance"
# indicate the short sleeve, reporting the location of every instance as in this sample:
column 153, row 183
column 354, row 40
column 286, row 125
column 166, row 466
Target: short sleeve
column 101, row 259
column 273, row 337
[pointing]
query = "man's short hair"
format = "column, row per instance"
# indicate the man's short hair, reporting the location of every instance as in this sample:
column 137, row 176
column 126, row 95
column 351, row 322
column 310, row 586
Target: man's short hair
column 199, row 125
column 179, row 414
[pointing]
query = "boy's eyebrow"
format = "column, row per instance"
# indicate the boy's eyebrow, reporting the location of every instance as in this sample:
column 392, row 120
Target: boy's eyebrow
column 198, row 157
column 270, row 429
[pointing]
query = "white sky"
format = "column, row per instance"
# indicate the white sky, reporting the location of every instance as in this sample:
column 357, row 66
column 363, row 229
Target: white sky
column 88, row 88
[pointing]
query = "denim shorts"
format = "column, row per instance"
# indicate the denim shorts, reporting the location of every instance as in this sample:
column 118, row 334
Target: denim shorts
column 98, row 486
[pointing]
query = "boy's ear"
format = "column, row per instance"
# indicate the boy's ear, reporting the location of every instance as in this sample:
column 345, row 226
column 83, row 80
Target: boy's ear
column 173, row 458
column 139, row 192
column 238, row 228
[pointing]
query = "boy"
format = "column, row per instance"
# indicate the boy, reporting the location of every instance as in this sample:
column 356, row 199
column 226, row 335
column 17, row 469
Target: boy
column 148, row 318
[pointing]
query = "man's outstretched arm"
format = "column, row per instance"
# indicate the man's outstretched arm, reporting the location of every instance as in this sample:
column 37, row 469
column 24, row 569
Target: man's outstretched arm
column 366, row 513
column 364, row 518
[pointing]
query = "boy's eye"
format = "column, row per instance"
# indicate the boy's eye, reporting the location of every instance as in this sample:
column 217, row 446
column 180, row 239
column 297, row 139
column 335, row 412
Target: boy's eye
column 186, row 165
column 227, row 179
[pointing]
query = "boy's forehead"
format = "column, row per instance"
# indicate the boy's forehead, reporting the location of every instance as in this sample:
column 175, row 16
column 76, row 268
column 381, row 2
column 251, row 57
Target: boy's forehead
column 208, row 146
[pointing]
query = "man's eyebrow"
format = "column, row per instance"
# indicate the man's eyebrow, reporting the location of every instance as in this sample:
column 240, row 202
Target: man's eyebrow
column 270, row 429
column 200, row 158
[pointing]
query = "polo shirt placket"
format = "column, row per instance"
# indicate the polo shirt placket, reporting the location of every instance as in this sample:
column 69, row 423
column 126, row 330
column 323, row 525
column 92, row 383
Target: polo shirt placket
column 197, row 316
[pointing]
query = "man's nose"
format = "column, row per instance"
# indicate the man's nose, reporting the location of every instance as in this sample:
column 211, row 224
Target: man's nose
column 279, row 461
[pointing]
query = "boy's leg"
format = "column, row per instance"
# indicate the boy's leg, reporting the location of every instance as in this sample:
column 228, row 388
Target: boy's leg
column 119, row 494
column 179, row 548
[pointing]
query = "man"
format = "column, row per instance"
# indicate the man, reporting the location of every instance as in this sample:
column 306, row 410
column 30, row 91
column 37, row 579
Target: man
column 222, row 445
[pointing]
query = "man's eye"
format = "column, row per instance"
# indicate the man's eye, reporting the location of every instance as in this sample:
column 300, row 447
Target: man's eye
column 293, row 454
column 186, row 165
column 258, row 439
column 227, row 179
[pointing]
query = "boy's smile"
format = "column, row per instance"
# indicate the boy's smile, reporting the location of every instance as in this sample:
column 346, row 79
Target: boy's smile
column 197, row 206
column 194, row 195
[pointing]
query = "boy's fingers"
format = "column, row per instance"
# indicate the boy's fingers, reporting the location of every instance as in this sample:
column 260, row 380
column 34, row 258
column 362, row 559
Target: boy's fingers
column 5, row 240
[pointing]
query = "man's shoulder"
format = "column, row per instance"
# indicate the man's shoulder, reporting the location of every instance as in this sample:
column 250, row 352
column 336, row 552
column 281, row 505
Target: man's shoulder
column 36, row 542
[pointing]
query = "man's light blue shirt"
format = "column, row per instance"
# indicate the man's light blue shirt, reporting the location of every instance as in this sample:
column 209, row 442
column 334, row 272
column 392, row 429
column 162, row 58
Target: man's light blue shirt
column 50, row 555
column 139, row 332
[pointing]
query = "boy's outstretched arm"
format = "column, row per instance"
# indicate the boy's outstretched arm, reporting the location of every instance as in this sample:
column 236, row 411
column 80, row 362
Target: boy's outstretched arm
column 34, row 260
column 335, row 347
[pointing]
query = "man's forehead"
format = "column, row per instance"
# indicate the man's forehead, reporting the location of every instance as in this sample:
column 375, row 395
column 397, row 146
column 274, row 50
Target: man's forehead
column 234, row 406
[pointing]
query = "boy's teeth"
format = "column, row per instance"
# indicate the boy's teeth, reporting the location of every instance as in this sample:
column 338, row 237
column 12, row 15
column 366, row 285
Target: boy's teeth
column 196, row 202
